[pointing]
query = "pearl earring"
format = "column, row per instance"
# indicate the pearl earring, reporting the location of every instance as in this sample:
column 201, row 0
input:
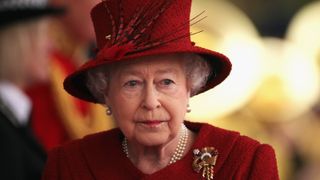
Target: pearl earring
column 108, row 111
column 188, row 108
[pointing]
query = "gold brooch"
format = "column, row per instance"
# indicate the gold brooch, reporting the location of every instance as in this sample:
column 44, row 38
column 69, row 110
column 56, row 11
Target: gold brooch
column 205, row 160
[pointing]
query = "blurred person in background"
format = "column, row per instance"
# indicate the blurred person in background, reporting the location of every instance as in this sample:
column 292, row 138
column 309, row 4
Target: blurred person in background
column 57, row 116
column 24, row 50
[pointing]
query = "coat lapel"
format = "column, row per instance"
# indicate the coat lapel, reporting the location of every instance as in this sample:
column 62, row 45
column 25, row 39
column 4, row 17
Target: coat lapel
column 6, row 112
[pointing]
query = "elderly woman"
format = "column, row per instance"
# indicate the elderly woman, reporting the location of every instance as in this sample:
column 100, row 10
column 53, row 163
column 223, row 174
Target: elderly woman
column 145, row 72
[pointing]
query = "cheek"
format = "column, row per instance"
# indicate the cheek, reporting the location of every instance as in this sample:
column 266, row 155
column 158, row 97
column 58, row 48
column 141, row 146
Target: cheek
column 39, row 65
column 177, row 105
column 123, row 108
column 124, row 112
column 176, row 110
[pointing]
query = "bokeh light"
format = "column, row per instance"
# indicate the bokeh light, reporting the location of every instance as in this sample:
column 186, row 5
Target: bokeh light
column 235, row 36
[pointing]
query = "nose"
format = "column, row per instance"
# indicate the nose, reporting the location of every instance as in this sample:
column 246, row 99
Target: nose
column 151, row 98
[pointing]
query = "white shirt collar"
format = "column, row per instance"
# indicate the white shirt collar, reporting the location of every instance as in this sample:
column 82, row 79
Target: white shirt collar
column 16, row 100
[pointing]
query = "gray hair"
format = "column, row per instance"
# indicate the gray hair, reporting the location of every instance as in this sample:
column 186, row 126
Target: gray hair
column 197, row 71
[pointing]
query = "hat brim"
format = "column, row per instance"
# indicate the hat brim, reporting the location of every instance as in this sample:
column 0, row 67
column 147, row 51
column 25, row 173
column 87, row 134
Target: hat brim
column 75, row 83
column 12, row 16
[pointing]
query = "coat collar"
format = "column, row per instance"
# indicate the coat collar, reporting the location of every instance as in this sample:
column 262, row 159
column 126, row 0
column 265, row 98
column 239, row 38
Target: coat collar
column 15, row 99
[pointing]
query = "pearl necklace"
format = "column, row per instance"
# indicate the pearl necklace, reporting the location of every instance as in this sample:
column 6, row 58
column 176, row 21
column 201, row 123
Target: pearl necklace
column 177, row 155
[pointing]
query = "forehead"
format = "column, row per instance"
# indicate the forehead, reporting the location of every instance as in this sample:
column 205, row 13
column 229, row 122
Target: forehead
column 154, row 64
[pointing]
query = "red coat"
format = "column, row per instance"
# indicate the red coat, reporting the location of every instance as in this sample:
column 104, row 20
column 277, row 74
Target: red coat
column 100, row 157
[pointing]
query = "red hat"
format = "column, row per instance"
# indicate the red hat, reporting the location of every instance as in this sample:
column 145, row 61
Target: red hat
column 128, row 29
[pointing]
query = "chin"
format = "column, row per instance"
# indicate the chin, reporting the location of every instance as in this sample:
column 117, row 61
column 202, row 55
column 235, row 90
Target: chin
column 153, row 139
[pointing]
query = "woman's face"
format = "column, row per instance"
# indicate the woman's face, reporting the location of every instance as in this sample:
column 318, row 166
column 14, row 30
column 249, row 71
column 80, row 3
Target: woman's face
column 148, row 98
column 37, row 57
column 29, row 62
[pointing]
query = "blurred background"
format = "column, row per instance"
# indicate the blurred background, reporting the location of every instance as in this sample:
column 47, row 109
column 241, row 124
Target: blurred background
column 272, row 93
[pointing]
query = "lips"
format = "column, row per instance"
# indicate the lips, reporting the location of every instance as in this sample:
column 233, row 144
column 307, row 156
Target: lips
column 152, row 123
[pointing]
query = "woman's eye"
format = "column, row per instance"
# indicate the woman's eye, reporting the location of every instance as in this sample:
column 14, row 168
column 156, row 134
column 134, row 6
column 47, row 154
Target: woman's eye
column 131, row 83
column 167, row 82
